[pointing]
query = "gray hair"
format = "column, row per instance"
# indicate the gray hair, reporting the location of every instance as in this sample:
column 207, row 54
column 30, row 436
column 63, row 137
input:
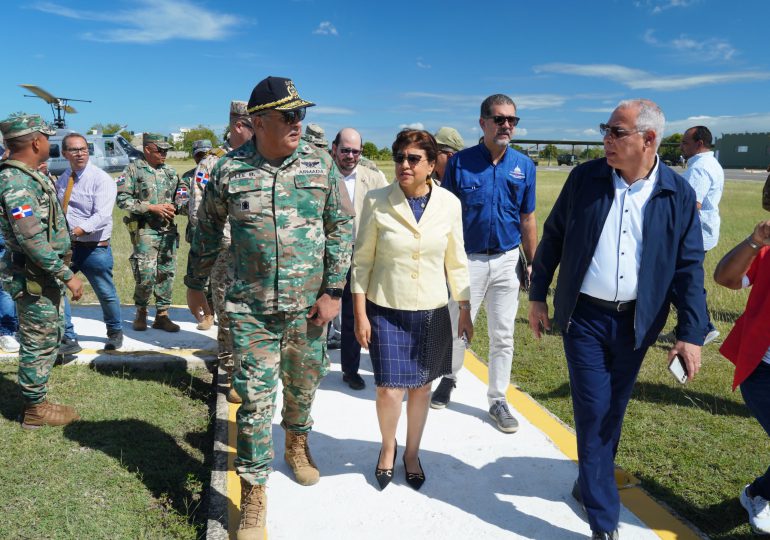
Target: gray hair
column 495, row 99
column 650, row 117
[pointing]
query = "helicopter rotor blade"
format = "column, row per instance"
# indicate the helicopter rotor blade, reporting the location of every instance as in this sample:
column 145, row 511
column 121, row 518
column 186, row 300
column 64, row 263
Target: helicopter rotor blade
column 69, row 109
column 39, row 92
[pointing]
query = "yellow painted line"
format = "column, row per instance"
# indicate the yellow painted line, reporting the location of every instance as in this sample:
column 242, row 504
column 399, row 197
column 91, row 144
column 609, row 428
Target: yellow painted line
column 233, row 482
column 655, row 516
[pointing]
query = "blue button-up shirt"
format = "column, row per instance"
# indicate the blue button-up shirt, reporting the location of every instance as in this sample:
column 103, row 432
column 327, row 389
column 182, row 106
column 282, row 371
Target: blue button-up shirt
column 493, row 196
column 705, row 175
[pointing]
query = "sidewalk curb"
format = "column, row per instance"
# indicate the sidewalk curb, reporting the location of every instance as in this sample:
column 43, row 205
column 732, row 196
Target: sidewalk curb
column 150, row 360
column 217, row 527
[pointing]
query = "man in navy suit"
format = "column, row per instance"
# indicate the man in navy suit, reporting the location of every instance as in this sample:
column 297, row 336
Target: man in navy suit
column 625, row 231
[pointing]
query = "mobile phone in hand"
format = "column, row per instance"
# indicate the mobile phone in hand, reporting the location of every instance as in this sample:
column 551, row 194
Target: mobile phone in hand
column 678, row 369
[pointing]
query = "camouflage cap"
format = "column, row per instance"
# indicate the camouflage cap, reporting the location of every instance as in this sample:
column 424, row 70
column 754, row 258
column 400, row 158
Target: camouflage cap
column 238, row 108
column 201, row 145
column 276, row 93
column 315, row 134
column 16, row 126
column 449, row 138
column 154, row 138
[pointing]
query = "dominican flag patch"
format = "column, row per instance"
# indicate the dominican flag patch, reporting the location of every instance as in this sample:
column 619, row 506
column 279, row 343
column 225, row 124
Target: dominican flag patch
column 202, row 178
column 21, row 211
column 181, row 190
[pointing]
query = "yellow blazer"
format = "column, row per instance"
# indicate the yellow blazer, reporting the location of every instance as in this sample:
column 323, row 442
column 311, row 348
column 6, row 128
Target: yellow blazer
column 401, row 264
column 366, row 180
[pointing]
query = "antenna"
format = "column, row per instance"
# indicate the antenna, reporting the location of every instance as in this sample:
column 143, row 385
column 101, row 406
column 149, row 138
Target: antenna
column 59, row 105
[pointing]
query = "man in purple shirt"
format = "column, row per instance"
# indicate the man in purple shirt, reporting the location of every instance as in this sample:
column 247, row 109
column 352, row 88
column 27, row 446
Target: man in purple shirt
column 87, row 195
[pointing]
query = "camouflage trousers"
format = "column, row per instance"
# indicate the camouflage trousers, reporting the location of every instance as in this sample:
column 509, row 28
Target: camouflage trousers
column 153, row 263
column 41, row 323
column 268, row 346
column 222, row 277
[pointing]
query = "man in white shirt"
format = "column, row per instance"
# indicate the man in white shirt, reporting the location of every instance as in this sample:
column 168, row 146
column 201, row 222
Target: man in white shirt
column 346, row 152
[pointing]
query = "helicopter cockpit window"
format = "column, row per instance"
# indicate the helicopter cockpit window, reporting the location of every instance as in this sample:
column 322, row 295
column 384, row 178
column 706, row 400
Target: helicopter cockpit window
column 90, row 149
column 54, row 151
column 109, row 149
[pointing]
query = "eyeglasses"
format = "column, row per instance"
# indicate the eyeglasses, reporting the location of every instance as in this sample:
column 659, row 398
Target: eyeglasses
column 76, row 151
column 291, row 117
column 352, row 151
column 500, row 120
column 615, row 132
column 412, row 159
column 162, row 151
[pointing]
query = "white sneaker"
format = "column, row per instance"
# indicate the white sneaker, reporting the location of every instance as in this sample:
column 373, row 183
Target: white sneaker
column 9, row 344
column 711, row 336
column 759, row 511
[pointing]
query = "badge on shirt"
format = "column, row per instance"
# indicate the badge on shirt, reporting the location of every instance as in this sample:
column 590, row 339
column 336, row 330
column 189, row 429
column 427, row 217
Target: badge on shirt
column 310, row 167
column 516, row 173
column 202, row 178
column 22, row 211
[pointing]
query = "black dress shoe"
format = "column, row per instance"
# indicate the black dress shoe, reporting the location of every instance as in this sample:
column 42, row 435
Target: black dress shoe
column 416, row 480
column 384, row 476
column 354, row 381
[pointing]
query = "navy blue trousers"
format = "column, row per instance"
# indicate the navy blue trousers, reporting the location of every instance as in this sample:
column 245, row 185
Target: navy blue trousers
column 756, row 394
column 350, row 350
column 603, row 365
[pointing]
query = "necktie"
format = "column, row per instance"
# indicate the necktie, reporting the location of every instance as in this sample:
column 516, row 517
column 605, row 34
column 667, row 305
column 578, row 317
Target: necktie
column 68, row 193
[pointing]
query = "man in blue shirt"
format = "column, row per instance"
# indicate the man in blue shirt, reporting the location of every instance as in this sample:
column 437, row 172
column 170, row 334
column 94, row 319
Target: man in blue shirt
column 496, row 186
column 626, row 237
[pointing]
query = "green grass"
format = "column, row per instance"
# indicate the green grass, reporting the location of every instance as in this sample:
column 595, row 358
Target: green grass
column 694, row 447
column 134, row 467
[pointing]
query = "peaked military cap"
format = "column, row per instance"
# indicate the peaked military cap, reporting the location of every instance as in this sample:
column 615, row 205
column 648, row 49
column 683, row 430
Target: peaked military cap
column 276, row 93
column 157, row 140
column 201, row 145
column 16, row 126
column 450, row 138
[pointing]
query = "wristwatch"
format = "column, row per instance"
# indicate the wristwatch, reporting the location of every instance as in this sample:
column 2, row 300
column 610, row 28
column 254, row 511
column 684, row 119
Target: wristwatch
column 333, row 292
column 750, row 240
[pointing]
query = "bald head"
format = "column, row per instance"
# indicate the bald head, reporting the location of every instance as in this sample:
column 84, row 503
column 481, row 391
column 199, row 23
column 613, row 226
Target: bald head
column 346, row 150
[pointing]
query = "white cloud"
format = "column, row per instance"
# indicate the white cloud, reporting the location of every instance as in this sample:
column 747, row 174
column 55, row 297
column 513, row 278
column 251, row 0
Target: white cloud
column 703, row 50
column 422, row 65
column 659, row 6
column 168, row 19
column 520, row 132
column 638, row 79
column 524, row 101
column 745, row 123
column 413, row 125
column 331, row 110
column 326, row 28
column 590, row 132
column 600, row 110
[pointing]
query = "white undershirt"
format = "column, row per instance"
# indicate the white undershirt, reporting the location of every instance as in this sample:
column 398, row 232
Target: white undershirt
column 350, row 184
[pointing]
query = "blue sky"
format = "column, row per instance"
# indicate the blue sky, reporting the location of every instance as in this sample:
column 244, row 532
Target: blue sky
column 378, row 66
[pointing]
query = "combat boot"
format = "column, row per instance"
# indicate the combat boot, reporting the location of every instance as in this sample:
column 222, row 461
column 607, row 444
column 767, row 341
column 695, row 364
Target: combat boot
column 232, row 396
column 299, row 459
column 140, row 321
column 162, row 322
column 253, row 512
column 206, row 323
column 48, row 414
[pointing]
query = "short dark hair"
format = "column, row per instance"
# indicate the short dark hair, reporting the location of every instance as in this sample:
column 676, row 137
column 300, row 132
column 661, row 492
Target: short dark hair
column 17, row 144
column 495, row 99
column 69, row 136
column 701, row 133
column 418, row 137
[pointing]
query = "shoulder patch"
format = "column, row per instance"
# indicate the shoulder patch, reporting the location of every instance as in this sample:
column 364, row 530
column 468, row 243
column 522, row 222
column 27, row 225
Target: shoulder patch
column 202, row 178
column 22, row 211
column 120, row 180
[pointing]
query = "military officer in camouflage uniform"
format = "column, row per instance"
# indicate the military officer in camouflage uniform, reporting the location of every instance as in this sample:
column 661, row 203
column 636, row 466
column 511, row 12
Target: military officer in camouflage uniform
column 153, row 194
column 315, row 135
column 291, row 241
column 36, row 234
column 222, row 274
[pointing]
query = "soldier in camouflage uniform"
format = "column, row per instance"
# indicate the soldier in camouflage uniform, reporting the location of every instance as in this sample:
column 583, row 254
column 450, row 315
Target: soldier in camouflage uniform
column 36, row 234
column 291, row 242
column 222, row 272
column 153, row 194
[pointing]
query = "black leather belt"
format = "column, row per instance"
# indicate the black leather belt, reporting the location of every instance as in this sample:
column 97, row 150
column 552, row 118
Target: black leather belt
column 490, row 252
column 103, row 243
column 608, row 305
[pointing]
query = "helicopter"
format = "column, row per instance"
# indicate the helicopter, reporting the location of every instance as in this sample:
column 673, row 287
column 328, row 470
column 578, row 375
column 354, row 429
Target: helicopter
column 109, row 152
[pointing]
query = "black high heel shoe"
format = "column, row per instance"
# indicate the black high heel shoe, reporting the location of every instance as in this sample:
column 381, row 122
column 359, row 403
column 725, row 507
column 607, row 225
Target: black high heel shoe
column 416, row 480
column 384, row 476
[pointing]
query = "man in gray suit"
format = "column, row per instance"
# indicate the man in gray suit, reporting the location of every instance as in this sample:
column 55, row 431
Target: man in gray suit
column 346, row 152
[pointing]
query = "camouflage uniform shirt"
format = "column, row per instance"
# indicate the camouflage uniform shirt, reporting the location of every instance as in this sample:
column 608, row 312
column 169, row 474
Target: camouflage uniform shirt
column 291, row 236
column 199, row 179
column 32, row 221
column 141, row 185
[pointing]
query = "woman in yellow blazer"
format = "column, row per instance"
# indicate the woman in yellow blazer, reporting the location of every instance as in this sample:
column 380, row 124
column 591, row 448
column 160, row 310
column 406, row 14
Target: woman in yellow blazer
column 409, row 245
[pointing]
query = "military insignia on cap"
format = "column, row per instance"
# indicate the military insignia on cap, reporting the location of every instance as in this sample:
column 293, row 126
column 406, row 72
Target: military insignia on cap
column 22, row 211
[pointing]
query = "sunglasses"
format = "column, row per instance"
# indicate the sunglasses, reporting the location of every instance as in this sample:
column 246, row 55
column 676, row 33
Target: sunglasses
column 412, row 159
column 162, row 151
column 352, row 151
column 615, row 132
column 291, row 117
column 500, row 120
